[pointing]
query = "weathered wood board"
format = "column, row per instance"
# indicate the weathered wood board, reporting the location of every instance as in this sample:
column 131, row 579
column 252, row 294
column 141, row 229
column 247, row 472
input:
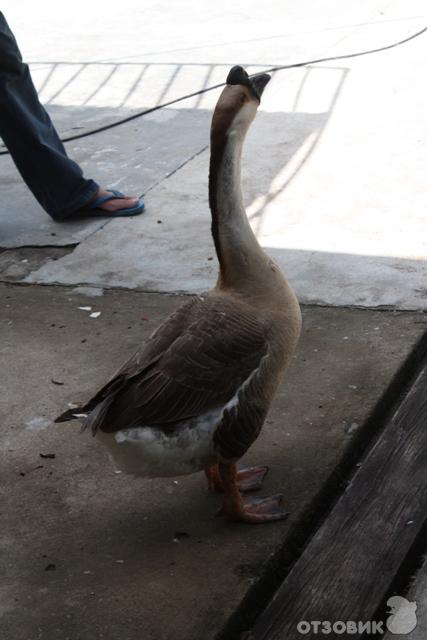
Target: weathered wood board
column 347, row 568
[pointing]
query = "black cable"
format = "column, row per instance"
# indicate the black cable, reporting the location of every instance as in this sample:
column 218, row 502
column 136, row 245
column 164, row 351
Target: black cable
column 217, row 86
column 349, row 55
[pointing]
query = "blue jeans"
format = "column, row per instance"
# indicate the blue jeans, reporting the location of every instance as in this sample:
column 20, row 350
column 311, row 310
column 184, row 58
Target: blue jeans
column 56, row 181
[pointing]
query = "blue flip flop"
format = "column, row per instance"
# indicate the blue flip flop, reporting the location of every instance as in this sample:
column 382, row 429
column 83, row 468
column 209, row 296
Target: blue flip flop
column 95, row 210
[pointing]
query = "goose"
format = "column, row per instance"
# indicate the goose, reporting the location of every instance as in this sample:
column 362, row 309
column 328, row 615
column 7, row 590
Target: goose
column 196, row 395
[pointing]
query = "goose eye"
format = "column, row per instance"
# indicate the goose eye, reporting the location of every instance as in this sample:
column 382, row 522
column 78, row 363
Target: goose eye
column 242, row 98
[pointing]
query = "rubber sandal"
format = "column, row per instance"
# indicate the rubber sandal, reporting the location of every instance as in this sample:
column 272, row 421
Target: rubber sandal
column 95, row 210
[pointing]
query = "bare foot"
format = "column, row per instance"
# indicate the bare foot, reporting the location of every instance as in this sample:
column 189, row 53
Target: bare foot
column 115, row 203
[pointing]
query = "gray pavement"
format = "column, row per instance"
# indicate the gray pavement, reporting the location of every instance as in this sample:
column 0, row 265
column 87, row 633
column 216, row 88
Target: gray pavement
column 334, row 166
column 333, row 180
column 125, row 158
column 88, row 553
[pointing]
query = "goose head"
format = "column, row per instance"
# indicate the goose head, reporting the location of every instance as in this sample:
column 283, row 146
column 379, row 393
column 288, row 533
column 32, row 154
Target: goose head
column 238, row 102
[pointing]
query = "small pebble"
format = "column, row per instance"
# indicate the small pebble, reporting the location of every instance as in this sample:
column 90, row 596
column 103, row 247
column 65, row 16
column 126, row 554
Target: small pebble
column 351, row 428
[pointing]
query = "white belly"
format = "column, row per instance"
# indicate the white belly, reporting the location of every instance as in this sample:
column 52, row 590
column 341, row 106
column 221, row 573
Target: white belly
column 150, row 452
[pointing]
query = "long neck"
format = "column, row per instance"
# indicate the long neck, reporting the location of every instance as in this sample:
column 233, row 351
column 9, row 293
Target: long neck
column 237, row 248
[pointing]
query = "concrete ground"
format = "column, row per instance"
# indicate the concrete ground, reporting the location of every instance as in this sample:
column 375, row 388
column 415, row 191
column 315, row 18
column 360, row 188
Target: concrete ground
column 88, row 553
column 333, row 177
column 334, row 164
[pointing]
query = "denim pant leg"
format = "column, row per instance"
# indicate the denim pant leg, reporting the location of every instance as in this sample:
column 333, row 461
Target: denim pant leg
column 27, row 131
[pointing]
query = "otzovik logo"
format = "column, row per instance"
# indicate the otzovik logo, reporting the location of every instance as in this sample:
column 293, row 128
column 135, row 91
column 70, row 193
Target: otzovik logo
column 403, row 618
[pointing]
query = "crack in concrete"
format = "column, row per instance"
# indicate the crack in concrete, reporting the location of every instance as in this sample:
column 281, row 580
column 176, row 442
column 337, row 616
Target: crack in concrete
column 174, row 171
column 110, row 219
column 182, row 293
column 72, row 245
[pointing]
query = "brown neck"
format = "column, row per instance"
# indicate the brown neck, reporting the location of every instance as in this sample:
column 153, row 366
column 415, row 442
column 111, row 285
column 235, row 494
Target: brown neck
column 237, row 248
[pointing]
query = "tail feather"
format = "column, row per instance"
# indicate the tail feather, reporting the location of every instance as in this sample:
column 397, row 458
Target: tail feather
column 72, row 414
column 97, row 415
column 97, row 406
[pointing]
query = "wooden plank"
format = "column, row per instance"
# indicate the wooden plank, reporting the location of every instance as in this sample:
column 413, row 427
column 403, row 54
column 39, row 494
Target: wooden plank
column 348, row 566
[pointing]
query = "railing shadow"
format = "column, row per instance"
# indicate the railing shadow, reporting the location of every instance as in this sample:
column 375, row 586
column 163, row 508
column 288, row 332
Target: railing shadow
column 136, row 157
column 129, row 85
column 81, row 83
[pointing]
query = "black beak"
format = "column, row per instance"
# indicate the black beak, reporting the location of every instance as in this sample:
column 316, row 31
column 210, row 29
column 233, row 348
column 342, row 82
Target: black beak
column 256, row 84
column 259, row 83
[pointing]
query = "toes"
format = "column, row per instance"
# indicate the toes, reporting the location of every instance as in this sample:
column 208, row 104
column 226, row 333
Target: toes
column 122, row 203
column 269, row 509
column 256, row 510
column 251, row 478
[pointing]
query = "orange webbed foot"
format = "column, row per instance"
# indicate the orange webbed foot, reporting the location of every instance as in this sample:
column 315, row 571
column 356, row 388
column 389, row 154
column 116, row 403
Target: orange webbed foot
column 262, row 509
column 247, row 478
column 254, row 510
column 250, row 478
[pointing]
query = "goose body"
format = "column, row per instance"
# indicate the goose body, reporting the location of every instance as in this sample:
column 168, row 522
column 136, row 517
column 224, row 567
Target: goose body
column 196, row 395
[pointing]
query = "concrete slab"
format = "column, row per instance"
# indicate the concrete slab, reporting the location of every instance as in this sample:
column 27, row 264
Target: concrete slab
column 131, row 56
column 16, row 264
column 132, row 158
column 216, row 32
column 170, row 249
column 318, row 193
column 23, row 222
column 88, row 553
column 333, row 177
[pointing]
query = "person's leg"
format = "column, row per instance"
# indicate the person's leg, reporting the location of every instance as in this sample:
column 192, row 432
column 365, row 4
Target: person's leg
column 56, row 181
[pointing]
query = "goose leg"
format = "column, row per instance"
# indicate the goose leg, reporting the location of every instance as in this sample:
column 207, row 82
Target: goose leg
column 247, row 478
column 214, row 479
column 252, row 510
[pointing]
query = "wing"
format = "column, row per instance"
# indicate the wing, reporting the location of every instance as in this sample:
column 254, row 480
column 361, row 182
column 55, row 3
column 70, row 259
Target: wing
column 194, row 363
column 156, row 345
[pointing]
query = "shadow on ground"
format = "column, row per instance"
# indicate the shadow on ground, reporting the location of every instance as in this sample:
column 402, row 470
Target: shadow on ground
column 137, row 156
column 88, row 553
